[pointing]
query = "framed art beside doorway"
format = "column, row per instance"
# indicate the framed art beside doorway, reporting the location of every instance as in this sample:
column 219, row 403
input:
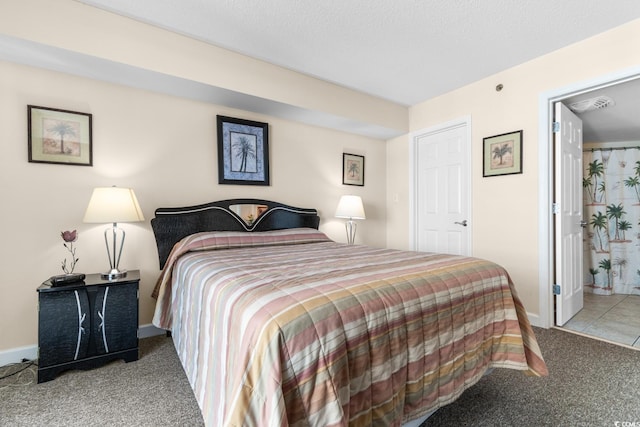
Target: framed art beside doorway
column 59, row 136
column 502, row 154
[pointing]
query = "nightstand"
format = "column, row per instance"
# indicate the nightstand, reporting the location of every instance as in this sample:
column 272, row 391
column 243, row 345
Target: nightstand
column 84, row 326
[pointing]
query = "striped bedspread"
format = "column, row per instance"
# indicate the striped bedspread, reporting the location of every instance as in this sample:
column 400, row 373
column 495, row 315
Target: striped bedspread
column 289, row 328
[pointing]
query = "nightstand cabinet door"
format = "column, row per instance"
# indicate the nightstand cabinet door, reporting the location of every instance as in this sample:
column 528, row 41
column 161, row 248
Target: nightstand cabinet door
column 85, row 325
column 115, row 318
column 63, row 332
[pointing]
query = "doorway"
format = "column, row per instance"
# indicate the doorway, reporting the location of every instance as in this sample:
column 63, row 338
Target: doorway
column 441, row 220
column 611, row 183
column 546, row 185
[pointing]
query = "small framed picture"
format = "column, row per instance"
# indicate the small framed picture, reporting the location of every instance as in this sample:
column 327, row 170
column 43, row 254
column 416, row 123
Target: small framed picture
column 502, row 154
column 59, row 136
column 243, row 151
column 352, row 169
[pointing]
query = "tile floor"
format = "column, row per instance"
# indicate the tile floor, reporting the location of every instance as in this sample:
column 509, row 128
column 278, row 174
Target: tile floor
column 615, row 318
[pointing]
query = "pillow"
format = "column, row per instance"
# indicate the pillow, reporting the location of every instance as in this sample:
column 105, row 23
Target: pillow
column 239, row 239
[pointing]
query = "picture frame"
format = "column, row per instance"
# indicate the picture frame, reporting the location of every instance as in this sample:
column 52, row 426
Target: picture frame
column 59, row 136
column 352, row 169
column 243, row 151
column 502, row 154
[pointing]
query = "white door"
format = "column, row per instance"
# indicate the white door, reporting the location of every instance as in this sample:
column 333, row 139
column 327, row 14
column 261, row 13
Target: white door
column 568, row 214
column 442, row 190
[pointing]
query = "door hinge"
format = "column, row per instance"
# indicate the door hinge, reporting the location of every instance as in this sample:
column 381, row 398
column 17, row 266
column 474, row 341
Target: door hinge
column 556, row 126
column 556, row 289
column 555, row 208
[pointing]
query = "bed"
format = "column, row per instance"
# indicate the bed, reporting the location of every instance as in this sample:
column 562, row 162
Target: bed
column 275, row 324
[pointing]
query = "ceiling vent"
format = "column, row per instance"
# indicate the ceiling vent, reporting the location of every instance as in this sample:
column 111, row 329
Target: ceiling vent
column 591, row 104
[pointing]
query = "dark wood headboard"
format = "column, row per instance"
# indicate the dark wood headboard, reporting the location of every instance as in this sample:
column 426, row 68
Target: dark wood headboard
column 170, row 225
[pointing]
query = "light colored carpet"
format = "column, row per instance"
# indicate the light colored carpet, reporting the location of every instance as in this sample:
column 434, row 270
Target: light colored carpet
column 591, row 383
column 152, row 391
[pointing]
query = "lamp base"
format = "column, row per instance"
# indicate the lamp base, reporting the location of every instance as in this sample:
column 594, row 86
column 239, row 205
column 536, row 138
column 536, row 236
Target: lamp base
column 114, row 274
column 351, row 231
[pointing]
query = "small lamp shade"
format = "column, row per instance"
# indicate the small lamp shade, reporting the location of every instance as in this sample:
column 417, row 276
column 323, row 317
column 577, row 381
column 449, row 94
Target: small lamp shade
column 350, row 207
column 113, row 204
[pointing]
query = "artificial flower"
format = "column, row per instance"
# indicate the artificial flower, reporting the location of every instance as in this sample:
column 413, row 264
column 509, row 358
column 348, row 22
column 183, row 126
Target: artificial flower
column 69, row 237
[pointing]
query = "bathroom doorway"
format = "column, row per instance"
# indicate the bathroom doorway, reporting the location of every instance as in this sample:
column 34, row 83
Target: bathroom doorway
column 611, row 219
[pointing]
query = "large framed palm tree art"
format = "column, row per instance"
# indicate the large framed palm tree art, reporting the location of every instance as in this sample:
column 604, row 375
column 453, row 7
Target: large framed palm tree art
column 243, row 151
column 59, row 136
column 502, row 154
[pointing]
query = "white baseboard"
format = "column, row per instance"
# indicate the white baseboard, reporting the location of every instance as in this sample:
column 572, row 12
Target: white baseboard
column 534, row 319
column 30, row 352
column 15, row 355
column 148, row 330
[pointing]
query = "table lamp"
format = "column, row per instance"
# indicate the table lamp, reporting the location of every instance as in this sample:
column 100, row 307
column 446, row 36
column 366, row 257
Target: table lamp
column 350, row 207
column 113, row 205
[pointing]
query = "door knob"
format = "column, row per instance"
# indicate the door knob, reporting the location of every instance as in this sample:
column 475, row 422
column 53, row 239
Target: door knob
column 463, row 223
column 583, row 224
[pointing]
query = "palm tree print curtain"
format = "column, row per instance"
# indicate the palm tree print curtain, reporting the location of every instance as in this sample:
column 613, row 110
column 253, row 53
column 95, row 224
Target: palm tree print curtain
column 611, row 186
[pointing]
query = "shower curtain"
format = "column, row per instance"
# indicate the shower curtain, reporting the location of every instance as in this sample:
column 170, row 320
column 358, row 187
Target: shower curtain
column 611, row 184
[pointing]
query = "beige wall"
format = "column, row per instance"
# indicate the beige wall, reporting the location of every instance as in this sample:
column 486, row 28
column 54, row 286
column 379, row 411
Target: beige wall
column 505, row 209
column 73, row 26
column 163, row 147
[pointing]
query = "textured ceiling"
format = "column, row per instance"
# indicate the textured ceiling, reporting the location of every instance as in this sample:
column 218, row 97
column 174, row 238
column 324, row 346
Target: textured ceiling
column 618, row 121
column 406, row 51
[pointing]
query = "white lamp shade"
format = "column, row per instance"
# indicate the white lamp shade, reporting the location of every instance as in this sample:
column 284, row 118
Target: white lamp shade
column 113, row 204
column 350, row 207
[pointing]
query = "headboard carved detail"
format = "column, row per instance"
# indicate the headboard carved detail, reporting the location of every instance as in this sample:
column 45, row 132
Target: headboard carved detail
column 170, row 225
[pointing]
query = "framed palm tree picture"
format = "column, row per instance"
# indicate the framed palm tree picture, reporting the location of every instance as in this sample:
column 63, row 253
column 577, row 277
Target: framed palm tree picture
column 352, row 169
column 59, row 136
column 502, row 154
column 243, row 151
